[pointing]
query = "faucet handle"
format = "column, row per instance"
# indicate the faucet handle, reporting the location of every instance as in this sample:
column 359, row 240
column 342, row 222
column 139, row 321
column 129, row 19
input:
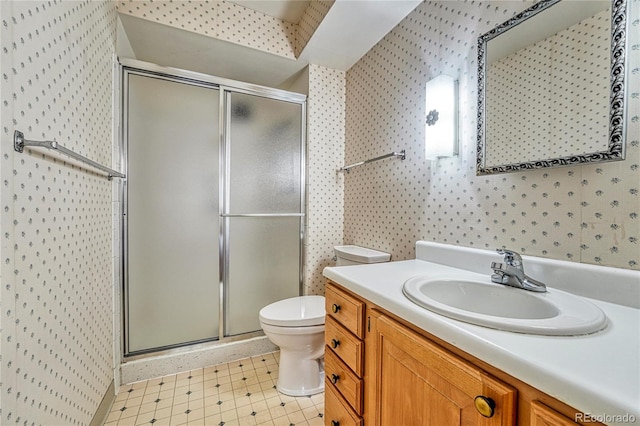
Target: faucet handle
column 500, row 273
column 496, row 266
column 511, row 257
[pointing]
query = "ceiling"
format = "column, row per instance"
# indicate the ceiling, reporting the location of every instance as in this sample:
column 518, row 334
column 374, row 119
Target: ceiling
column 348, row 31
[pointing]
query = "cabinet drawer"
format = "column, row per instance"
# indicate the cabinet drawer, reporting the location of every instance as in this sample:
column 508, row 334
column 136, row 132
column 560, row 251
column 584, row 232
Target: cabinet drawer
column 336, row 412
column 345, row 345
column 342, row 378
column 346, row 309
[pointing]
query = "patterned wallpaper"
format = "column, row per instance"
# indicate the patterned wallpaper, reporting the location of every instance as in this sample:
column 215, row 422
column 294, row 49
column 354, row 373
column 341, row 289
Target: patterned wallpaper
column 537, row 93
column 325, row 187
column 586, row 213
column 57, row 264
column 219, row 19
column 310, row 22
column 233, row 23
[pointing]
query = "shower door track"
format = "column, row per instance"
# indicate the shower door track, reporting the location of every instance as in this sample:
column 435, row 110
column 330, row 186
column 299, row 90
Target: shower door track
column 130, row 66
column 262, row 215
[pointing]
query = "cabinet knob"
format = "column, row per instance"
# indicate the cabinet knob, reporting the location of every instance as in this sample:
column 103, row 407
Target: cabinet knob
column 334, row 378
column 335, row 308
column 335, row 343
column 485, row 406
column 335, row 423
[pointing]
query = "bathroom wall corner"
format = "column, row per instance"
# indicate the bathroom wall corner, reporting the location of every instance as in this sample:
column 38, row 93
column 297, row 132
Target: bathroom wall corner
column 326, row 144
column 105, row 406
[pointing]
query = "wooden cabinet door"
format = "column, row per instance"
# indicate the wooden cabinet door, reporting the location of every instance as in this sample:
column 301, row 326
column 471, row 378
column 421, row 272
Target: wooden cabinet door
column 418, row 383
column 541, row 415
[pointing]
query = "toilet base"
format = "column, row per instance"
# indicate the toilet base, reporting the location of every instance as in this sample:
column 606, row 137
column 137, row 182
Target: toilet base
column 303, row 392
column 299, row 376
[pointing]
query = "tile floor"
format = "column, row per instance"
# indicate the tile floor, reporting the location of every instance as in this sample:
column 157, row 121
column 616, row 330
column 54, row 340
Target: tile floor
column 236, row 393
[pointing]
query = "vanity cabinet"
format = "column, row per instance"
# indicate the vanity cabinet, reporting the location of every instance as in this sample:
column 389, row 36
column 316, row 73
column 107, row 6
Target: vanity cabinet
column 381, row 370
column 344, row 358
column 409, row 368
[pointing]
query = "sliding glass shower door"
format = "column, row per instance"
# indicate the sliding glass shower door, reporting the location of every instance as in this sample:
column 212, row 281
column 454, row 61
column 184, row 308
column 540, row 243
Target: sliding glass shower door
column 214, row 207
column 264, row 207
column 172, row 213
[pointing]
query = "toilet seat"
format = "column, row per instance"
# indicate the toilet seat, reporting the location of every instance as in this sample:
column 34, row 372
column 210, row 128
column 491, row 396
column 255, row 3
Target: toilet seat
column 292, row 331
column 301, row 311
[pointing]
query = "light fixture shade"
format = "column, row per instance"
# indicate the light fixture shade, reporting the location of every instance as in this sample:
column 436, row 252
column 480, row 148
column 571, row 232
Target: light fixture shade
column 441, row 126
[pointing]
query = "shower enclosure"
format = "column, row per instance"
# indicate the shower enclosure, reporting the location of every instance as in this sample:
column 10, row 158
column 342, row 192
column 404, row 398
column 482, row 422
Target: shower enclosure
column 213, row 217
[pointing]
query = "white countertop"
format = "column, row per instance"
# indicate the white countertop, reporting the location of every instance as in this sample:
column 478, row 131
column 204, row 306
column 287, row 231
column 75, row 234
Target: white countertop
column 598, row 374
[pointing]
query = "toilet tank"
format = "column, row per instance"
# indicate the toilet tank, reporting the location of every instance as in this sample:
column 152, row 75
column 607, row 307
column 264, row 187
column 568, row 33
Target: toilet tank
column 356, row 255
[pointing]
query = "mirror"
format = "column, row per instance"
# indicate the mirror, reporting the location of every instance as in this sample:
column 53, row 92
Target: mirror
column 551, row 87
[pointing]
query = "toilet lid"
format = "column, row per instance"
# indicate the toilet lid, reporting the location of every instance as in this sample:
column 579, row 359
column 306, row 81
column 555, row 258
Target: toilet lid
column 295, row 312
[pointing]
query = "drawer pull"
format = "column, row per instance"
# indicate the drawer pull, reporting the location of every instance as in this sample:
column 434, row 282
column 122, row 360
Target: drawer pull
column 335, row 423
column 335, row 343
column 334, row 378
column 485, row 406
column 335, row 308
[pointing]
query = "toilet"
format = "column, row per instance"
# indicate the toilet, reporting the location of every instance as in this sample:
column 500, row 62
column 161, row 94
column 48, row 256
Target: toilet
column 296, row 325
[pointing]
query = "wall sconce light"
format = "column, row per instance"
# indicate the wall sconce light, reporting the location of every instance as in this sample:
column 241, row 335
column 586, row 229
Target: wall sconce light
column 441, row 127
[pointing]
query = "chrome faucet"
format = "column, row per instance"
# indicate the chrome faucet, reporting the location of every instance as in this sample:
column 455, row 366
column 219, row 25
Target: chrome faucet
column 511, row 273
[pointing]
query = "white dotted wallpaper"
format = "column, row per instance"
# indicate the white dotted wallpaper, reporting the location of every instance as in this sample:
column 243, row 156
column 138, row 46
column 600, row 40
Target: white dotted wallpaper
column 57, row 264
column 310, row 21
column 325, row 187
column 554, row 95
column 244, row 26
column 233, row 23
column 222, row 20
column 583, row 213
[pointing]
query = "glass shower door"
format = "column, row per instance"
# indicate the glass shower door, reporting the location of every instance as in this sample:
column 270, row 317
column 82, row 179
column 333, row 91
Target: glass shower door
column 263, row 213
column 172, row 215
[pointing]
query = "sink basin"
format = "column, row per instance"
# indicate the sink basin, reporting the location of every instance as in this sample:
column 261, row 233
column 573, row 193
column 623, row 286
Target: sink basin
column 487, row 304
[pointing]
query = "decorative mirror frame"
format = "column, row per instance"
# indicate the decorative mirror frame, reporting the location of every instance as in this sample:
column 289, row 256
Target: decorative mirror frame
column 617, row 109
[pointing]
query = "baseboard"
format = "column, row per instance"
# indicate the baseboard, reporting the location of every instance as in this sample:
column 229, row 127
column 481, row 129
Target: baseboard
column 105, row 406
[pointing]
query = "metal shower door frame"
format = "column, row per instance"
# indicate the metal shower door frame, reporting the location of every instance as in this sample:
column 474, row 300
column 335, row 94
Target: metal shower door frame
column 225, row 86
column 225, row 193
